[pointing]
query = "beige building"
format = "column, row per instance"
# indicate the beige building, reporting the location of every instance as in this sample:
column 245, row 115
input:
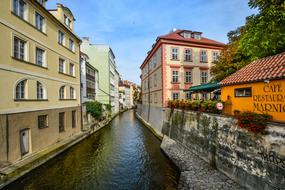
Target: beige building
column 39, row 77
column 176, row 62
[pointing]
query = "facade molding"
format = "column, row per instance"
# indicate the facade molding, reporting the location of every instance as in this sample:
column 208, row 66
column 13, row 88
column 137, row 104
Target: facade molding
column 32, row 74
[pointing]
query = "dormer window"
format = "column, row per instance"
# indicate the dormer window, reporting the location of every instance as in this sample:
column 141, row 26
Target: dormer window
column 67, row 21
column 197, row 36
column 186, row 34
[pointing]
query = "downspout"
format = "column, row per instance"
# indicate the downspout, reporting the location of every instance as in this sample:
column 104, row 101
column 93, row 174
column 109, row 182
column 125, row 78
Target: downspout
column 7, row 136
column 81, row 108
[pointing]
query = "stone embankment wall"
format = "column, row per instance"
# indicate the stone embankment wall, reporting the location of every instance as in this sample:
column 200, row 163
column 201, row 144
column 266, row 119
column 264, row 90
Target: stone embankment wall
column 255, row 161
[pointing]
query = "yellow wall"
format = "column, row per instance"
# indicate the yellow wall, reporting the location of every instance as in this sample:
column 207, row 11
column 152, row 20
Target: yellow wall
column 261, row 100
column 12, row 70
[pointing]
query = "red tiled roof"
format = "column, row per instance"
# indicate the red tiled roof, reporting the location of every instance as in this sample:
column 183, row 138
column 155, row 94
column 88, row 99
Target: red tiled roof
column 267, row 68
column 177, row 36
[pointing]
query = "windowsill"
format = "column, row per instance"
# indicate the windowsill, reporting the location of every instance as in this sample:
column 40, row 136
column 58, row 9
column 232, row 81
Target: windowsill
column 175, row 82
column 188, row 82
column 66, row 74
column 66, row 48
column 30, row 100
column 43, row 127
column 188, row 60
column 67, row 99
column 27, row 22
column 203, row 61
column 23, row 61
column 174, row 59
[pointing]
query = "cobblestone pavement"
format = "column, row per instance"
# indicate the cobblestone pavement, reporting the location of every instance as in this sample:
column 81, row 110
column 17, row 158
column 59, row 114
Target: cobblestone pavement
column 195, row 173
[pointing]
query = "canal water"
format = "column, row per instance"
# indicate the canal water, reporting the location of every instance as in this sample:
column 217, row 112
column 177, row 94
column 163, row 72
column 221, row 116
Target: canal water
column 124, row 155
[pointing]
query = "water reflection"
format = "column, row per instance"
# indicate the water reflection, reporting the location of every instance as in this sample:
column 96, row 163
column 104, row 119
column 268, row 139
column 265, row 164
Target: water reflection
column 124, row 155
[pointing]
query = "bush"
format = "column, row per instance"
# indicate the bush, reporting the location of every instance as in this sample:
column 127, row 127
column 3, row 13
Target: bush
column 253, row 122
column 108, row 107
column 94, row 108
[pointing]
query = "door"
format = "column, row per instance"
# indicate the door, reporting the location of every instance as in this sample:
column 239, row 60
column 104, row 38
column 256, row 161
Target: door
column 25, row 141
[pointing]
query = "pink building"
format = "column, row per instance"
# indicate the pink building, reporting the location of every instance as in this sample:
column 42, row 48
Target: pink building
column 177, row 61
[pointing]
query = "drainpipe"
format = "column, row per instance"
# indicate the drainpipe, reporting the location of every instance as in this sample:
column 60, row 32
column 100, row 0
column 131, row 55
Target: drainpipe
column 7, row 136
column 81, row 109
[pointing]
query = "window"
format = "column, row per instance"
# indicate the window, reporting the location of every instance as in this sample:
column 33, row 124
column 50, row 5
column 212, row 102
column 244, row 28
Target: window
column 40, row 56
column 197, row 36
column 19, row 48
column 203, row 56
column 204, row 77
column 188, row 55
column 188, row 76
column 243, row 92
column 73, row 119
column 61, row 37
column 19, row 7
column 188, row 96
column 62, row 92
column 67, row 21
column 215, row 56
column 174, row 53
column 72, row 93
column 40, row 91
column 71, row 45
column 186, row 35
column 42, row 121
column 61, row 65
column 61, row 123
column 174, row 76
column 39, row 19
column 20, row 90
column 154, row 61
column 175, row 96
column 155, row 80
column 71, row 69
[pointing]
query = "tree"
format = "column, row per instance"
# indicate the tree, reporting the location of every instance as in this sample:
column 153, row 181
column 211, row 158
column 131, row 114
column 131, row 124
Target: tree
column 262, row 35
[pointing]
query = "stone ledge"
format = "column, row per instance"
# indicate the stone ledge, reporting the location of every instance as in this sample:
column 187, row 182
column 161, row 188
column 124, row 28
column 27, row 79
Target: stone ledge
column 195, row 172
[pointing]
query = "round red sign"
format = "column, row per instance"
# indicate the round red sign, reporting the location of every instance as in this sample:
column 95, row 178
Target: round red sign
column 219, row 106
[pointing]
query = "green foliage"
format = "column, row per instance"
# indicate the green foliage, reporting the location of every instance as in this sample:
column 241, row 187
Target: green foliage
column 263, row 35
column 253, row 122
column 108, row 107
column 94, row 108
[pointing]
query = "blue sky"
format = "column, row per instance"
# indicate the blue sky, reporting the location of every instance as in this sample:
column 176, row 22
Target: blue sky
column 130, row 27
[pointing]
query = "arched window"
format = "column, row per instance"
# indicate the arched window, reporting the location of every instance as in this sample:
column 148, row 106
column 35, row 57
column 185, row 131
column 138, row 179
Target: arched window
column 72, row 93
column 62, row 92
column 20, row 90
column 40, row 91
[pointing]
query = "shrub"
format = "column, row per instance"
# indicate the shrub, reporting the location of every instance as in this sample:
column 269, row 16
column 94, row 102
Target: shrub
column 253, row 122
column 94, row 108
column 108, row 107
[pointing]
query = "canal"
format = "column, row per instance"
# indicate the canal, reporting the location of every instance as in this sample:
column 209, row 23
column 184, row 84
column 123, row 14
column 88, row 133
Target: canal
column 123, row 155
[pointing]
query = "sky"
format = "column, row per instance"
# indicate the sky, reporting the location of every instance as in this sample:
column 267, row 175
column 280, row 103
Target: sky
column 130, row 27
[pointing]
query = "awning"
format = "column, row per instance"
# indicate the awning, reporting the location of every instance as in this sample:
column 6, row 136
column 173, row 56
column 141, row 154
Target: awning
column 209, row 87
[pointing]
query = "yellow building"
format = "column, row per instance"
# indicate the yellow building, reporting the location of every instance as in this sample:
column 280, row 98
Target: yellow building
column 258, row 87
column 176, row 62
column 39, row 77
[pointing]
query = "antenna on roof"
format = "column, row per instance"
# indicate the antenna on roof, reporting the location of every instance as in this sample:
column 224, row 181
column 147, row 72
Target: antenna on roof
column 173, row 29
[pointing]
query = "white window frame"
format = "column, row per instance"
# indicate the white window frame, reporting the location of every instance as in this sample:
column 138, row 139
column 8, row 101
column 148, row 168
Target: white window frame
column 72, row 93
column 203, row 56
column 174, row 53
column 175, row 96
column 61, row 38
column 62, row 93
column 204, row 77
column 215, row 56
column 24, row 48
column 175, row 76
column 71, row 69
column 41, row 92
column 188, row 78
column 17, row 10
column 63, row 65
column 188, row 55
column 21, row 90
column 41, row 21
column 71, row 44
column 43, row 64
